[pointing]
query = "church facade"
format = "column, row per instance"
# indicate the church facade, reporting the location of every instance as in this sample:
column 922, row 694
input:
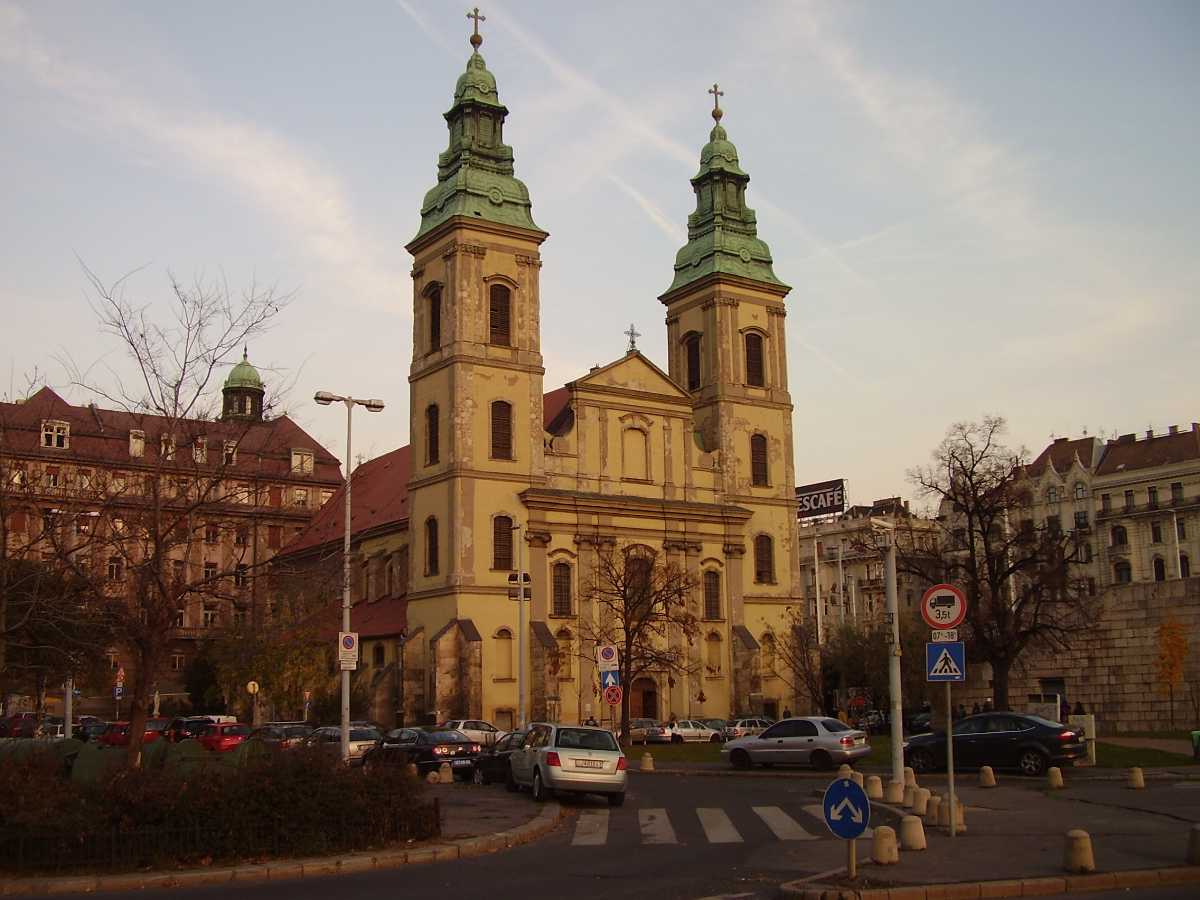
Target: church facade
column 692, row 462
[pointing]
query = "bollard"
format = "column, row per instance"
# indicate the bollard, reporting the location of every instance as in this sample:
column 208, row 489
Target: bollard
column 910, row 777
column 647, row 762
column 1137, row 780
column 1193, row 851
column 920, row 801
column 943, row 815
column 895, row 792
column 844, row 771
column 445, row 774
column 857, row 778
column 411, row 769
column 1054, row 779
column 907, row 802
column 1077, row 855
column 912, row 833
column 874, row 788
column 432, row 777
column 987, row 778
column 933, row 809
column 883, row 849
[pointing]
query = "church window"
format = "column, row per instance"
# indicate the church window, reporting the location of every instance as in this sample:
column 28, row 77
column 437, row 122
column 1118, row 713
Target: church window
column 500, row 318
column 434, row 300
column 764, row 559
column 431, row 434
column 634, row 453
column 562, row 590
column 566, row 650
column 712, row 594
column 712, row 654
column 502, row 543
column 758, row 460
column 501, row 430
column 638, row 584
column 431, row 546
column 504, row 654
column 692, row 350
column 754, row 360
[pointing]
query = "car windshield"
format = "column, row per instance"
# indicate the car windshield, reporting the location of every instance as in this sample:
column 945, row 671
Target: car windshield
column 238, row 729
column 297, row 731
column 365, row 734
column 585, row 739
column 834, row 725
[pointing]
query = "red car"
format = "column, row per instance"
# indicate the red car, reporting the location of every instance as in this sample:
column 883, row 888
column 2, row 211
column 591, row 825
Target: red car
column 220, row 738
column 117, row 733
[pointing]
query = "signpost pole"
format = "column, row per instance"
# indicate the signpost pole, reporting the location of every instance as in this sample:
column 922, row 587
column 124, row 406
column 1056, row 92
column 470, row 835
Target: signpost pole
column 950, row 760
column 851, row 859
column 817, row 587
column 897, row 723
column 520, row 628
column 68, row 703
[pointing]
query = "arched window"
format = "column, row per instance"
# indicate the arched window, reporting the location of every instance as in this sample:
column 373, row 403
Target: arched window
column 432, row 449
column 691, row 346
column 1185, row 566
column 1120, row 537
column 1160, row 569
column 638, row 582
column 1080, row 491
column 712, row 594
column 754, row 360
column 758, row 460
column 377, row 656
column 431, row 546
column 634, row 454
column 562, row 590
column 1122, row 573
column 767, row 643
column 501, row 430
column 1052, row 495
column 434, row 303
column 566, row 653
column 499, row 316
column 712, row 653
column 502, row 543
column 503, row 642
column 764, row 559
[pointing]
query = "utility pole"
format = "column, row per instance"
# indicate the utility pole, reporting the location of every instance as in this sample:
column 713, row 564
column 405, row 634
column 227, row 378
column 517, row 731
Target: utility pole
column 897, row 701
column 817, row 584
column 516, row 529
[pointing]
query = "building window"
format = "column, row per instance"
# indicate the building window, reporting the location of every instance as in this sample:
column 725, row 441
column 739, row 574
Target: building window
column 754, row 360
column 212, row 533
column 712, row 654
column 1053, row 525
column 1106, row 502
column 177, row 662
column 239, row 616
column 562, row 589
column 1185, row 566
column 1152, row 497
column 635, row 453
column 299, row 497
column 566, row 652
column 51, row 477
column 1160, row 569
column 180, row 620
column 200, row 450
column 431, row 434
column 1122, row 572
column 1156, row 532
column 692, row 351
column 499, row 316
column 1120, row 537
column 56, row 435
column 274, row 537
column 502, row 543
column 210, row 572
column 1181, row 529
column 229, row 454
column 1091, row 587
column 1085, row 551
column 501, row 430
column 1080, row 491
column 431, row 546
column 712, row 594
column 211, row 618
column 377, row 656
column 758, row 460
column 137, row 444
column 1052, row 495
column 302, row 462
column 434, row 302
column 504, row 662
column 116, row 568
column 1081, row 518
column 241, row 536
column 764, row 559
column 178, row 570
column 241, row 578
column 1176, row 491
column 326, row 496
column 166, row 447
column 1129, row 504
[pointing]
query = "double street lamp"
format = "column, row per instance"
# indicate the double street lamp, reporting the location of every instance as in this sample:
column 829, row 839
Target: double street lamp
column 325, row 398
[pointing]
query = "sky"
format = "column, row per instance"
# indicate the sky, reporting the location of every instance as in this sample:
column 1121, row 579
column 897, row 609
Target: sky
column 982, row 209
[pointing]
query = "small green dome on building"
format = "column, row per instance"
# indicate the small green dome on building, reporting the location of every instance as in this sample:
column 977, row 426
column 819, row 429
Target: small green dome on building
column 244, row 375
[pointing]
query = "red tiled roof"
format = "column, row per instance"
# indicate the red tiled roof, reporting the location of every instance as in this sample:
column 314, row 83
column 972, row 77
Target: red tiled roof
column 387, row 617
column 553, row 405
column 1160, row 450
column 1062, row 453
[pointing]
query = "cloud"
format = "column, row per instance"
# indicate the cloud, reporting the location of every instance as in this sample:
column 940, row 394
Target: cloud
column 257, row 165
column 676, row 235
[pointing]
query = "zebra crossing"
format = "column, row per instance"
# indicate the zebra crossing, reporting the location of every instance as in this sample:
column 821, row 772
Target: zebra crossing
column 655, row 825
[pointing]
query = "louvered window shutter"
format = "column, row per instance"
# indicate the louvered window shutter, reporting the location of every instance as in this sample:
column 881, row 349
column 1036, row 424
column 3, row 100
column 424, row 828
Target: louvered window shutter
column 712, row 595
column 693, row 363
column 431, row 435
column 754, row 360
column 501, row 306
column 435, row 319
column 501, row 430
column 502, row 543
column 758, row 460
column 764, row 559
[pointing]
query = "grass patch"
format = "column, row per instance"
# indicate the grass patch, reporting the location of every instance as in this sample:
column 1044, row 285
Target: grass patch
column 670, row 753
column 1112, row 756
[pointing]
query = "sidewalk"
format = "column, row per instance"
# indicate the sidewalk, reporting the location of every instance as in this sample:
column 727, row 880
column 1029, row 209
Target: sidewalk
column 1167, row 745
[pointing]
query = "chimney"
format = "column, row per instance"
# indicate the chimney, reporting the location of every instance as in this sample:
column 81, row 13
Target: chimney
column 1149, row 433
column 1174, row 429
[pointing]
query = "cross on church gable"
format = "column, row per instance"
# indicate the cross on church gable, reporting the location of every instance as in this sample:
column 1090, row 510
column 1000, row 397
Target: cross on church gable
column 633, row 334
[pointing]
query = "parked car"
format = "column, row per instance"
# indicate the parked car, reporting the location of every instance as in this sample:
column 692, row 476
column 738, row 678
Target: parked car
column 569, row 759
column 428, row 748
column 645, row 731
column 282, row 735
column 186, row 728
column 689, row 730
column 813, row 740
column 481, row 732
column 117, row 733
column 16, row 724
column 329, row 739
column 1001, row 740
column 91, row 731
column 740, row 728
column 493, row 764
column 223, row 738
column 717, row 725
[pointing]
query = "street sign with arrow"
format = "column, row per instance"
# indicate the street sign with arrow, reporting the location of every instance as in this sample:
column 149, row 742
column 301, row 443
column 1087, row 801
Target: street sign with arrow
column 847, row 809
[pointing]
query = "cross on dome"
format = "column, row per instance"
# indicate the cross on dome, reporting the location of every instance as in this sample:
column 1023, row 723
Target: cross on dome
column 476, row 38
column 717, row 93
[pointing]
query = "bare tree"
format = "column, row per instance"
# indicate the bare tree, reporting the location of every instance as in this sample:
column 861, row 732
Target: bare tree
column 1021, row 577
column 642, row 605
column 798, row 650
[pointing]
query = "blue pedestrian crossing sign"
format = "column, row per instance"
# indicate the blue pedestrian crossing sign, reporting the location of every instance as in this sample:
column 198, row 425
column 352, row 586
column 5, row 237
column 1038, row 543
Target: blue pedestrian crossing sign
column 610, row 679
column 847, row 809
column 946, row 662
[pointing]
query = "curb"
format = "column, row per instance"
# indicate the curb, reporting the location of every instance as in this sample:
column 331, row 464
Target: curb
column 1012, row 887
column 1117, row 776
column 311, row 867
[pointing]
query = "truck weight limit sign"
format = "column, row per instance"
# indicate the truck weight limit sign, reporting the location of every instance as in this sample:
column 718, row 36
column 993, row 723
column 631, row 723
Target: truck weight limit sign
column 943, row 607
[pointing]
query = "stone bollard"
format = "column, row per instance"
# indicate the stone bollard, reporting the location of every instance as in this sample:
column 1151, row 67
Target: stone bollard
column 1077, row 855
column 920, row 801
column 874, row 788
column 1137, row 780
column 432, row 777
column 857, row 778
column 909, row 792
column 910, row 777
column 933, row 809
column 987, row 778
column 647, row 762
column 445, row 774
column 912, row 833
column 1193, row 851
column 883, row 849
column 844, row 771
column 894, row 792
column 1054, row 779
column 943, row 815
column 411, row 769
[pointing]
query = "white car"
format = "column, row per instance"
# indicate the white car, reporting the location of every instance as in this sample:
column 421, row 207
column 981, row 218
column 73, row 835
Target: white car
column 690, row 730
column 565, row 759
column 740, row 728
column 807, row 740
column 484, row 733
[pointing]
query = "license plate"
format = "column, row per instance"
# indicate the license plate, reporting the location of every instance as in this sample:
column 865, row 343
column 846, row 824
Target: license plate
column 589, row 763
column 459, row 763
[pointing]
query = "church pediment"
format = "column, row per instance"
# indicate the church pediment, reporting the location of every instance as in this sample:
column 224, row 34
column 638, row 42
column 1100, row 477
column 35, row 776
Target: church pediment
column 633, row 372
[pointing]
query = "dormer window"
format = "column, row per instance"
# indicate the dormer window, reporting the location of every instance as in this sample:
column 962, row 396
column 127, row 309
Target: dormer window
column 166, row 447
column 302, row 462
column 56, row 435
column 137, row 444
column 200, row 450
column 230, row 455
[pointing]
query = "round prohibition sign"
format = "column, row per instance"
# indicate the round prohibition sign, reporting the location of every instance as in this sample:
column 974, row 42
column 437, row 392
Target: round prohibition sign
column 347, row 642
column 943, row 606
column 608, row 653
column 612, row 695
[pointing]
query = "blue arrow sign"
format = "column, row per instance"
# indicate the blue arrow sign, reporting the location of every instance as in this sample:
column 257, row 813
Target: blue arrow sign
column 610, row 679
column 946, row 662
column 847, row 809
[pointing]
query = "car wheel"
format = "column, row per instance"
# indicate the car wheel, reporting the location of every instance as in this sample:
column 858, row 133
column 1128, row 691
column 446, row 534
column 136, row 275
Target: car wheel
column 740, row 759
column 921, row 760
column 1032, row 762
column 715, row 739
column 616, row 799
column 510, row 783
column 822, row 761
column 676, row 739
column 539, row 788
column 478, row 776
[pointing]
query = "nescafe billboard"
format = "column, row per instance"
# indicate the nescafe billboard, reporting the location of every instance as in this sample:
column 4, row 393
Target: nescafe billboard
column 825, row 498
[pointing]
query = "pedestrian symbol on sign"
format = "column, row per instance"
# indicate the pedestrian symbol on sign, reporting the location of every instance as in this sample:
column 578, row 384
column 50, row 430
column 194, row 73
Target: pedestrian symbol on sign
column 945, row 665
column 946, row 662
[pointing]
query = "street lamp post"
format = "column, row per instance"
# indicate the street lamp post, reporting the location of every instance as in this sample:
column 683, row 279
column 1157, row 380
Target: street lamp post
column 888, row 529
column 325, row 398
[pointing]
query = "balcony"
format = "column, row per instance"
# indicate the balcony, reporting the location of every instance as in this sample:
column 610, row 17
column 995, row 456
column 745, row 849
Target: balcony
column 1121, row 550
column 1149, row 509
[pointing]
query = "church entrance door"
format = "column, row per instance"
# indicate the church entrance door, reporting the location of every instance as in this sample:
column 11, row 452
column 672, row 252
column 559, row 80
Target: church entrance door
column 643, row 699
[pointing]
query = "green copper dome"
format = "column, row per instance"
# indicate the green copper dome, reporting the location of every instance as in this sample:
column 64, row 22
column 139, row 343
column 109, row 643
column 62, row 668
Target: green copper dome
column 477, row 83
column 244, row 375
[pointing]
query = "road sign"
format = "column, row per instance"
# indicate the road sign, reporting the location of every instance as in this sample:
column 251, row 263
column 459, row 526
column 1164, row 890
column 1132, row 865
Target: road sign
column 611, row 678
column 120, row 676
column 348, row 650
column 307, row 696
column 943, row 606
column 946, row 662
column 944, row 637
column 847, row 809
column 612, row 695
column 607, row 658
column 118, row 692
column 251, row 688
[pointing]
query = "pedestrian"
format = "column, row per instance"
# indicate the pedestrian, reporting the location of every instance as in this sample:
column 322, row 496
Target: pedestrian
column 975, row 708
column 787, row 713
column 962, row 711
column 591, row 720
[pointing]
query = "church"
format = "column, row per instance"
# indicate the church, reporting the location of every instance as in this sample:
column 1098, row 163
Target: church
column 692, row 462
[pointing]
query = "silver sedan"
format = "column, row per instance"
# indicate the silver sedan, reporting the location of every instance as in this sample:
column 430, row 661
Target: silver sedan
column 813, row 740
column 569, row 759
